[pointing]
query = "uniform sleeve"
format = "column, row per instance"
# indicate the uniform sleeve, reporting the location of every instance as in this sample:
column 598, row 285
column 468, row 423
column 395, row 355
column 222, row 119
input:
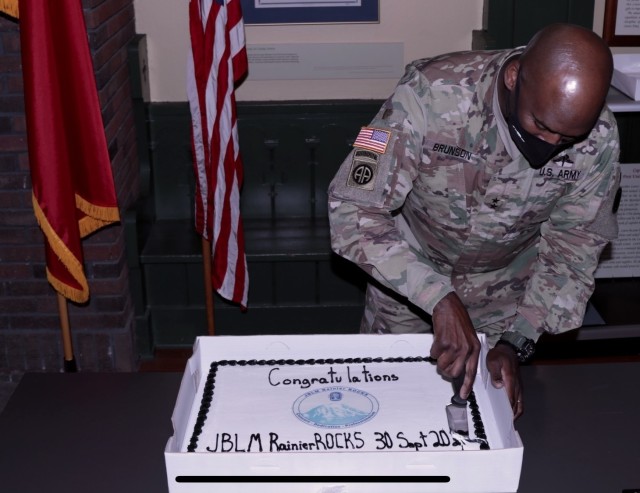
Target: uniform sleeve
column 580, row 226
column 370, row 188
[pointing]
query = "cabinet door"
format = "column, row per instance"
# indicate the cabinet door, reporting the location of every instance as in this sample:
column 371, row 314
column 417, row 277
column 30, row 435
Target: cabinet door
column 511, row 23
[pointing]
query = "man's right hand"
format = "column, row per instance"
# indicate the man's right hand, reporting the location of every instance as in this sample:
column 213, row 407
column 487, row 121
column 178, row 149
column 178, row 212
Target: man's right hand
column 455, row 342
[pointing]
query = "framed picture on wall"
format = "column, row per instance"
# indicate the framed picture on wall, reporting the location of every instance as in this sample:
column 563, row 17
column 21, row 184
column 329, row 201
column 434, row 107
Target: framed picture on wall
column 622, row 23
column 310, row 11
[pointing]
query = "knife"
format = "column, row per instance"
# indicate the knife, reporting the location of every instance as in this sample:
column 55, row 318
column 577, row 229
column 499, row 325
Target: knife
column 457, row 410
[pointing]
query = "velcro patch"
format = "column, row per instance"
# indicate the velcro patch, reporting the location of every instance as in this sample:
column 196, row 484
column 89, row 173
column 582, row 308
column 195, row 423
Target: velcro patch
column 364, row 167
column 450, row 150
column 563, row 160
column 373, row 139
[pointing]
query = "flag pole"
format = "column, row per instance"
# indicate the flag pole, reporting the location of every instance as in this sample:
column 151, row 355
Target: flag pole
column 69, row 359
column 73, row 192
column 208, row 288
column 221, row 57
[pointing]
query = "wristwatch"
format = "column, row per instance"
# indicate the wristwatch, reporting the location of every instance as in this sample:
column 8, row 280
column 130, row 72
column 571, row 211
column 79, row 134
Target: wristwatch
column 523, row 346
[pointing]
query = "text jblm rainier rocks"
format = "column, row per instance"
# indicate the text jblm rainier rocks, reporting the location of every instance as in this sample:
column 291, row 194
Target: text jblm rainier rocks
column 359, row 404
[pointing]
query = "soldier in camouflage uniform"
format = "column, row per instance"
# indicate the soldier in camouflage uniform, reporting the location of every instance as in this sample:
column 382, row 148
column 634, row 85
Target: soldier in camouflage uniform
column 480, row 198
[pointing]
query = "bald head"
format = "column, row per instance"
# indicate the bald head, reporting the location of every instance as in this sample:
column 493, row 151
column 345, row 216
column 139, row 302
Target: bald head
column 559, row 83
column 563, row 51
column 570, row 68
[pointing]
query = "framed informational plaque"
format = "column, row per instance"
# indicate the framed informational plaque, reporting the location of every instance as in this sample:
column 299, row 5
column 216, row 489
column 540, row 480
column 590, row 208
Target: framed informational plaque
column 621, row 258
column 622, row 23
column 310, row 11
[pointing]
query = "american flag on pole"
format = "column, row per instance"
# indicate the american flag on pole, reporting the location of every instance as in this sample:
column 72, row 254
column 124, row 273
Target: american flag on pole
column 218, row 61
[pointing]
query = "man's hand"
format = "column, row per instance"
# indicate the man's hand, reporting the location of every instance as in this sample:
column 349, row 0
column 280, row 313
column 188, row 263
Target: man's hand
column 455, row 342
column 504, row 369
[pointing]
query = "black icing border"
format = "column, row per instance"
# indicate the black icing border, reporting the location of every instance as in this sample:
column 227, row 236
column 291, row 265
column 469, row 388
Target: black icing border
column 207, row 395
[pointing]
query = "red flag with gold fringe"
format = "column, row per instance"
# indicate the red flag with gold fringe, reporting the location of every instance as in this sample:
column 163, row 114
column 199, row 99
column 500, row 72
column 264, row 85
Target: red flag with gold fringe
column 73, row 190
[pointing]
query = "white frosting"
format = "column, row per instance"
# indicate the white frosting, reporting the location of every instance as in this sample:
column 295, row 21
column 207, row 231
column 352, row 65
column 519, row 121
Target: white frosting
column 340, row 407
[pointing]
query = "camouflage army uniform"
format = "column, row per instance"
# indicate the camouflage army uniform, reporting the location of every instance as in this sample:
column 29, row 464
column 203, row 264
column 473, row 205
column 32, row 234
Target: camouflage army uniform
column 435, row 198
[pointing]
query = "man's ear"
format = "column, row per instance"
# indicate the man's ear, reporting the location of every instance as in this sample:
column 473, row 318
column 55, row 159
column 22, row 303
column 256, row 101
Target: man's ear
column 511, row 74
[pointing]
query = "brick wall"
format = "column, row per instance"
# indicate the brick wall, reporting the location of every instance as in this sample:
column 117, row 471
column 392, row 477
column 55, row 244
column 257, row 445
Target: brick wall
column 103, row 329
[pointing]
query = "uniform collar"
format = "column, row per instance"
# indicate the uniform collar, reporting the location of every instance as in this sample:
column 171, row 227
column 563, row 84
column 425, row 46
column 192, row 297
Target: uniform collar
column 503, row 130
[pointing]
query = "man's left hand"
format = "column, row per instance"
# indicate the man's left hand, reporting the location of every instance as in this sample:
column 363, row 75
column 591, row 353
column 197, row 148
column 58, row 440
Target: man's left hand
column 504, row 368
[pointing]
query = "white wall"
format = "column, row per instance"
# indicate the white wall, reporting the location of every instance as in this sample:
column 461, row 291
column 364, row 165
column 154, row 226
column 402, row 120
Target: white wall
column 598, row 22
column 426, row 27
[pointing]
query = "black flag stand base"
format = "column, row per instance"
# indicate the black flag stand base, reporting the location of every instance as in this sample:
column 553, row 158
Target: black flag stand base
column 70, row 366
column 69, row 359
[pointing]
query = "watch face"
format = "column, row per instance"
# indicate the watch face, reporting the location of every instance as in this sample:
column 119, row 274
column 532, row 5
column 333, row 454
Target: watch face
column 523, row 346
column 526, row 351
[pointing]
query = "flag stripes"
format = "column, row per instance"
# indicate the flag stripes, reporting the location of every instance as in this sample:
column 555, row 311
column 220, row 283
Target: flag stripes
column 372, row 139
column 217, row 63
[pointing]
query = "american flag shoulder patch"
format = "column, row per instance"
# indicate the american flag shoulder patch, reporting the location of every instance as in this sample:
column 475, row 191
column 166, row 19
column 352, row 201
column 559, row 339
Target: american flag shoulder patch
column 372, row 139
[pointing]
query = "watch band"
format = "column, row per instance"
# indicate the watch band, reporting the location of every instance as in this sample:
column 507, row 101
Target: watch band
column 524, row 347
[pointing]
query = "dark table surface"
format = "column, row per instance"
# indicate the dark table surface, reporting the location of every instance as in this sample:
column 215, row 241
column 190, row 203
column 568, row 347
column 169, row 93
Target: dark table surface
column 98, row 432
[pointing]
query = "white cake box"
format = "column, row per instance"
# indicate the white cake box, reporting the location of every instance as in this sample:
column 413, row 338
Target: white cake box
column 495, row 470
column 626, row 74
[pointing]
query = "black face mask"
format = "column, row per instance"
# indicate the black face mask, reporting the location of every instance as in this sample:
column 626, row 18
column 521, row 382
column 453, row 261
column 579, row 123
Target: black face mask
column 535, row 150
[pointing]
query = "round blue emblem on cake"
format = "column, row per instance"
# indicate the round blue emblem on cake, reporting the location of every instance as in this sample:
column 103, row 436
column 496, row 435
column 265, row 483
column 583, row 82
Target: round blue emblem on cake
column 335, row 407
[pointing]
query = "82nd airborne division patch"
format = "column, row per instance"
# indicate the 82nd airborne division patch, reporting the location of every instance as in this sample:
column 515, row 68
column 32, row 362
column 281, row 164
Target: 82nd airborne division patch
column 364, row 167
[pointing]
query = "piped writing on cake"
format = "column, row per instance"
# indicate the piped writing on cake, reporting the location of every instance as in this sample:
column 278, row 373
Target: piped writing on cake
column 327, row 405
column 336, row 442
column 331, row 377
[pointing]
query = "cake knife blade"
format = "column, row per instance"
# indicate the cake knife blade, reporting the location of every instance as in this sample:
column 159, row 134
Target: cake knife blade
column 457, row 410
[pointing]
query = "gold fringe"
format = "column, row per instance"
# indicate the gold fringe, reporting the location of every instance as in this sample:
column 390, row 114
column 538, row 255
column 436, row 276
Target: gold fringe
column 67, row 291
column 96, row 216
column 66, row 257
column 10, row 7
